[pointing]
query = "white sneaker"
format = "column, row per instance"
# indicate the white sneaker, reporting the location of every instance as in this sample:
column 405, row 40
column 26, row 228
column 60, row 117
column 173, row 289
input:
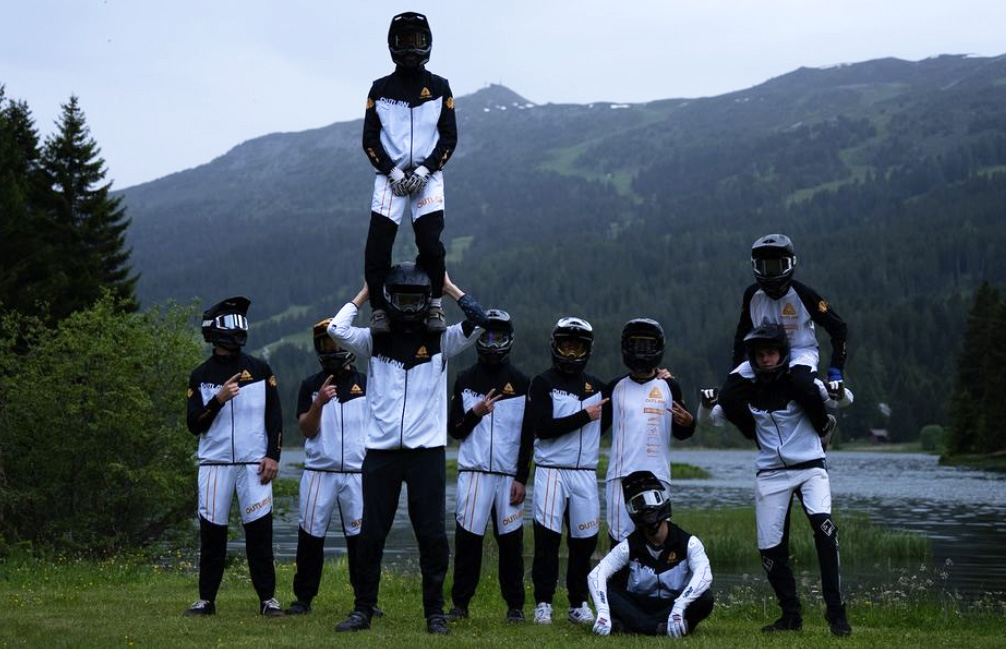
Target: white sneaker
column 543, row 613
column 581, row 615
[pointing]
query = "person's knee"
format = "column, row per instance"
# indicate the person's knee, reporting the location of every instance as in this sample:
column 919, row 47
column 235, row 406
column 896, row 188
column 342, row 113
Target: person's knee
column 825, row 530
column 774, row 558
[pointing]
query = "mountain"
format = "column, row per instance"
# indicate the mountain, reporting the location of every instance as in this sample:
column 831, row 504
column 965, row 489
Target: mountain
column 889, row 175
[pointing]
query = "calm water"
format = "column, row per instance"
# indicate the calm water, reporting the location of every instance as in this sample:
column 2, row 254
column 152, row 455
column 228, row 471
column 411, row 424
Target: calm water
column 962, row 511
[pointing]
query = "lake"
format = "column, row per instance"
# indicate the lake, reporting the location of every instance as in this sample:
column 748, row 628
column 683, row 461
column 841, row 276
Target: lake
column 962, row 511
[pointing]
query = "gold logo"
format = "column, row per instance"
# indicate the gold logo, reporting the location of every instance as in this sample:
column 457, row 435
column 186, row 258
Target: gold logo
column 789, row 311
column 425, row 93
column 272, row 380
column 421, row 352
column 822, row 306
column 655, row 393
column 672, row 556
column 370, row 103
column 189, row 395
column 356, row 389
column 450, row 103
column 588, row 387
column 508, row 389
column 245, row 376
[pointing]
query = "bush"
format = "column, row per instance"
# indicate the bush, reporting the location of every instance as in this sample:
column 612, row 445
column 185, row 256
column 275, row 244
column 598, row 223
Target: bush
column 94, row 453
column 932, row 438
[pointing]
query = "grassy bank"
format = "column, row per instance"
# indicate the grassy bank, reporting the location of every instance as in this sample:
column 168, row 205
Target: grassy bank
column 133, row 604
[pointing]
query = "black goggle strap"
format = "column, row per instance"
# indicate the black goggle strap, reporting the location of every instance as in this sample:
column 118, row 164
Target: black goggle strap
column 645, row 500
column 228, row 322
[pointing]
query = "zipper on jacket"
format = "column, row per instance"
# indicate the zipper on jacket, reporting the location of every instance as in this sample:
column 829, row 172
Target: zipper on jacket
column 405, row 398
column 579, row 453
column 342, row 436
column 778, row 449
column 234, row 454
column 492, row 429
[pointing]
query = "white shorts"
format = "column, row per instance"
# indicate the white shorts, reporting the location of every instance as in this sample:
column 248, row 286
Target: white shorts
column 321, row 492
column 620, row 525
column 430, row 199
column 478, row 493
column 217, row 483
column 773, row 492
column 559, row 490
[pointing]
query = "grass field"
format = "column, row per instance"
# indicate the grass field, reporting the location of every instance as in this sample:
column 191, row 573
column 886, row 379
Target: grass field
column 121, row 603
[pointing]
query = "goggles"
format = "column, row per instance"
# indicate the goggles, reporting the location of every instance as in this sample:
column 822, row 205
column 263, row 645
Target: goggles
column 642, row 501
column 642, row 345
column 571, row 348
column 496, row 339
column 778, row 267
column 228, row 322
column 409, row 302
column 326, row 345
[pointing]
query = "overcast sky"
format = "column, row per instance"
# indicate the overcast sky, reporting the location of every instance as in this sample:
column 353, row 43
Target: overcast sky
column 172, row 84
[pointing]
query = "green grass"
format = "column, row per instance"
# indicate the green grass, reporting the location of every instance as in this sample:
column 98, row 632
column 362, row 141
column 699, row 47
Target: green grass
column 123, row 603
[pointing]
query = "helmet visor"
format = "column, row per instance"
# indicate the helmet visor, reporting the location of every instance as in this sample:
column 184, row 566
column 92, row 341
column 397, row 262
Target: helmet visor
column 642, row 345
column 496, row 340
column 649, row 499
column 572, row 348
column 228, row 322
column 326, row 345
column 409, row 302
column 412, row 39
column 777, row 267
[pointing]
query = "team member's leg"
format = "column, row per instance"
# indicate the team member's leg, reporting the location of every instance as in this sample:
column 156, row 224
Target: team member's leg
column 428, row 224
column 508, row 527
column 212, row 557
column 382, row 485
column 772, row 513
column 699, row 610
column 377, row 256
column 549, row 503
column 426, row 480
column 255, row 500
column 620, row 525
column 216, row 489
column 317, row 497
column 473, row 503
column 631, row 614
column 583, row 521
column 815, row 496
column 350, row 499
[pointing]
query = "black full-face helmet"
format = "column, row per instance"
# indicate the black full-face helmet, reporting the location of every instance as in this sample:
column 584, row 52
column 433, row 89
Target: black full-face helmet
column 773, row 261
column 495, row 343
column 646, row 500
column 407, row 292
column 410, row 40
column 572, row 343
column 642, row 344
column 333, row 358
column 767, row 336
column 225, row 324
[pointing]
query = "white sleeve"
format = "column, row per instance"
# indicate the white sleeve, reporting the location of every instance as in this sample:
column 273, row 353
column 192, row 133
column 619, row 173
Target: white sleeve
column 714, row 417
column 356, row 339
column 702, row 574
column 597, row 580
column 453, row 341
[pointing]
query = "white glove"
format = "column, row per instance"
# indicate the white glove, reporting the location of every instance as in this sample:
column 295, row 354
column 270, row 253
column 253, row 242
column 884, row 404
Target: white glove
column 602, row 626
column 417, row 181
column 398, row 182
column 836, row 390
column 709, row 397
column 677, row 626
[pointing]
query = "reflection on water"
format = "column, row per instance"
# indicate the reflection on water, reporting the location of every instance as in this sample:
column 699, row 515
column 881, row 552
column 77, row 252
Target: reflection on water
column 962, row 511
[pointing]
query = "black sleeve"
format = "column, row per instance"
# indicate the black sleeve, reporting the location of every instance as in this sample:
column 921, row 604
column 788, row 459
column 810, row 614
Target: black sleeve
column 823, row 315
column 304, row 398
column 524, row 453
column 273, row 417
column 199, row 417
column 447, row 127
column 538, row 413
column 744, row 327
column 679, row 432
column 608, row 411
column 734, row 397
column 460, row 424
column 372, row 135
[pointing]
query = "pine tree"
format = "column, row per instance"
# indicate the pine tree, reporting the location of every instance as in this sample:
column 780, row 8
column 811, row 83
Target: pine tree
column 974, row 372
column 91, row 223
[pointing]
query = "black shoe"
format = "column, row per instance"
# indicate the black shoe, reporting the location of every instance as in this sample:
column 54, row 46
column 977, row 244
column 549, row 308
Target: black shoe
column 838, row 623
column 784, row 624
column 376, row 612
column 515, row 616
column 298, row 608
column 457, row 613
column 379, row 323
column 435, row 321
column 271, row 608
column 437, row 625
column 199, row 608
column 357, row 621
